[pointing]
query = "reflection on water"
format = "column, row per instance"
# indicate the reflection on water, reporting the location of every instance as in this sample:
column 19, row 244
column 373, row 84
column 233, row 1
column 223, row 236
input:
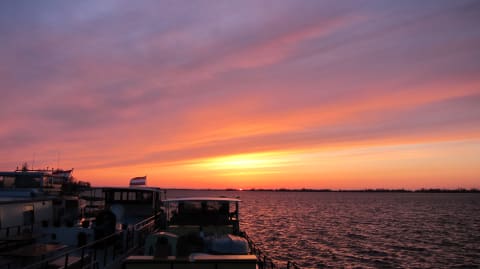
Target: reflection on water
column 362, row 229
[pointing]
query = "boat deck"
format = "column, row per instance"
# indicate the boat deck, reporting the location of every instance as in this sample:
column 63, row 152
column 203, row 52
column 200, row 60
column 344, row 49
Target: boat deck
column 194, row 261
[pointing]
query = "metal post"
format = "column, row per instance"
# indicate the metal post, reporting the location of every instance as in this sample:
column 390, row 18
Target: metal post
column 95, row 253
column 129, row 239
column 66, row 261
column 81, row 258
column 114, row 247
column 105, row 252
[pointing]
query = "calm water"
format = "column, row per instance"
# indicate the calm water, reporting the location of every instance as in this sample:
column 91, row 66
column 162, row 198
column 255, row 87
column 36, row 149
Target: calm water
column 322, row 230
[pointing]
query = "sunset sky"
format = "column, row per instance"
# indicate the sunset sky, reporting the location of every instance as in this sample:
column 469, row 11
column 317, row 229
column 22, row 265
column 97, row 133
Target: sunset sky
column 244, row 94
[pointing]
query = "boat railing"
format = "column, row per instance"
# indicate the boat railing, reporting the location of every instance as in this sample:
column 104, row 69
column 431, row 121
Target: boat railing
column 16, row 236
column 146, row 222
column 103, row 252
column 15, row 230
column 143, row 228
column 91, row 255
column 264, row 261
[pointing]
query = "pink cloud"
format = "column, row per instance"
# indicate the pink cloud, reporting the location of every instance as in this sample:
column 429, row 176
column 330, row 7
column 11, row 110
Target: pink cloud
column 119, row 86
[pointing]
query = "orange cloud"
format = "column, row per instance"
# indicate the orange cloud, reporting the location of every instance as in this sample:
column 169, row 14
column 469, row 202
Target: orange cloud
column 291, row 95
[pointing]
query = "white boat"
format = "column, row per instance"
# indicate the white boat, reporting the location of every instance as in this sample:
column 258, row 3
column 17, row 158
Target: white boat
column 200, row 232
column 117, row 227
column 41, row 228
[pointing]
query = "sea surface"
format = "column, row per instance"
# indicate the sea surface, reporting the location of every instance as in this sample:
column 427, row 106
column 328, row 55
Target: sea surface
column 365, row 230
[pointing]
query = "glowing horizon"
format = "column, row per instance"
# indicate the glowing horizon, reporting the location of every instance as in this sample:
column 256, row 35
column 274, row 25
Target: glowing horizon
column 282, row 94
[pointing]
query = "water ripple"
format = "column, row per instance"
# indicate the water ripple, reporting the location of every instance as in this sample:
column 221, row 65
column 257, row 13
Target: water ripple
column 364, row 230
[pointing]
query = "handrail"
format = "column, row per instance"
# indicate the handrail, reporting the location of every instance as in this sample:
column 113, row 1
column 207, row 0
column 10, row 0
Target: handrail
column 19, row 229
column 145, row 222
column 131, row 239
column 101, row 241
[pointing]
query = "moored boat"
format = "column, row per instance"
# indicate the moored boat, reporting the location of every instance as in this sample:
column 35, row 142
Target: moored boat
column 200, row 232
column 44, row 221
column 75, row 226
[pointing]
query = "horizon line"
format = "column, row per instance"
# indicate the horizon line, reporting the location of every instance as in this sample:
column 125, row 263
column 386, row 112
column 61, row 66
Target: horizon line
column 421, row 190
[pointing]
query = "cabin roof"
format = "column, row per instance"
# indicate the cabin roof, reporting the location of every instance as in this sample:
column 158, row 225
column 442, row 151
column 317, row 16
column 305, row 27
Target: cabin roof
column 151, row 189
column 22, row 173
column 21, row 200
column 199, row 199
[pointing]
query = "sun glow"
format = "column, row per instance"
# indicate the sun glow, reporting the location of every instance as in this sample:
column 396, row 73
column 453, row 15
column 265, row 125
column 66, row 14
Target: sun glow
column 245, row 164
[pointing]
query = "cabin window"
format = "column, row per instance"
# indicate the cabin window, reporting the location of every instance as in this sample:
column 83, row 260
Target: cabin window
column 7, row 182
column 109, row 196
column 147, row 196
column 129, row 196
column 200, row 213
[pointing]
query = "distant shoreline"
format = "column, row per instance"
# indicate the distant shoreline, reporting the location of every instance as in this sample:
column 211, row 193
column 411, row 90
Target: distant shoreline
column 433, row 190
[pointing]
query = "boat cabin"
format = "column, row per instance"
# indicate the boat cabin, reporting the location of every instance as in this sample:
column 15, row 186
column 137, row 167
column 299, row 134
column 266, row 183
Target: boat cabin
column 23, row 180
column 132, row 204
column 48, row 181
column 203, row 212
column 201, row 232
column 20, row 215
